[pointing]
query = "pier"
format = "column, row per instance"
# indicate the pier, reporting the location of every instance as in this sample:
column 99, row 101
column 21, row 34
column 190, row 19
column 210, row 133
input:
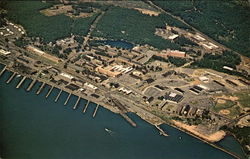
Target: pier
column 162, row 132
column 95, row 110
column 57, row 97
column 128, row 119
column 31, row 85
column 85, row 108
column 76, row 103
column 50, row 90
column 21, row 82
column 66, row 101
column 11, row 77
column 3, row 70
column 41, row 88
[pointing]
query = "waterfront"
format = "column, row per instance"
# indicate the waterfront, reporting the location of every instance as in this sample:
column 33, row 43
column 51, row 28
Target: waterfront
column 33, row 127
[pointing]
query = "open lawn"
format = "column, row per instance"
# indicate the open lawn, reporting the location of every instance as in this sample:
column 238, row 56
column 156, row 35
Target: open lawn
column 244, row 98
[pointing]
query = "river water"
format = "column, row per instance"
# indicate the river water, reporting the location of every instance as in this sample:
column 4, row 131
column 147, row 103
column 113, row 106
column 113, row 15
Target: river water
column 33, row 127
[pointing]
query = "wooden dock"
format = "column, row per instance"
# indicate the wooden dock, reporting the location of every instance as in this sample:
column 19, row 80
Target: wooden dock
column 66, row 101
column 95, row 110
column 21, row 82
column 31, row 85
column 58, row 95
column 76, row 103
column 3, row 70
column 40, row 89
column 50, row 90
column 86, row 106
column 11, row 78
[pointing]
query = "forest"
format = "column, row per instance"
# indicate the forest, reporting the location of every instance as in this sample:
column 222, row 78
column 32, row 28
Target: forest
column 132, row 26
column 225, row 21
column 50, row 28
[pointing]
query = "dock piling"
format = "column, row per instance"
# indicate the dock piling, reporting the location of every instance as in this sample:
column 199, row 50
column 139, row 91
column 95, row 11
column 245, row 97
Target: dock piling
column 58, row 95
column 66, row 101
column 21, row 82
column 95, row 110
column 50, row 90
column 11, row 77
column 40, row 89
column 76, row 103
column 86, row 106
column 31, row 85
column 3, row 70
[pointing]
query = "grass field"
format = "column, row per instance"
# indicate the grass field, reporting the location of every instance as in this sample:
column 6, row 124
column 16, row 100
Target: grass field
column 219, row 106
column 244, row 98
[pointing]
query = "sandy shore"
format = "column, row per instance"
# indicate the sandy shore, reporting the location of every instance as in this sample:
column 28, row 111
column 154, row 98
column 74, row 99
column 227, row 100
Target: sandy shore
column 217, row 136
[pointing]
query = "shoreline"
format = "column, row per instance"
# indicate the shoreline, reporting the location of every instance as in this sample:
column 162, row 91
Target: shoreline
column 153, row 120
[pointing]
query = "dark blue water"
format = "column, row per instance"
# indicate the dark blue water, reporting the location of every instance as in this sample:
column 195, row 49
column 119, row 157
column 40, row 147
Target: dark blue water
column 33, row 127
column 119, row 44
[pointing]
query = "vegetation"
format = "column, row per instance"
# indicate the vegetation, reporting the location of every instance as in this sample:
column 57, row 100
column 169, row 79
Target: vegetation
column 225, row 21
column 242, row 135
column 244, row 98
column 226, row 105
column 217, row 61
column 173, row 60
column 134, row 27
column 177, row 61
column 50, row 29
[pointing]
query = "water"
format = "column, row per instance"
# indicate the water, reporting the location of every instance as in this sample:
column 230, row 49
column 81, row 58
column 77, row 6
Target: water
column 119, row 44
column 33, row 127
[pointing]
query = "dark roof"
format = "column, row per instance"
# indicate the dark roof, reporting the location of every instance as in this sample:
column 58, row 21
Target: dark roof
column 198, row 88
column 95, row 95
column 72, row 87
column 177, row 98
column 150, row 99
column 149, row 80
column 179, row 90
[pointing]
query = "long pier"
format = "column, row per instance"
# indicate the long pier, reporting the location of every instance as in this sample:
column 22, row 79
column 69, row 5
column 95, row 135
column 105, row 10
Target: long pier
column 21, row 82
column 162, row 132
column 3, row 70
column 76, row 102
column 95, row 110
column 31, row 85
column 11, row 78
column 86, row 106
column 128, row 119
column 50, row 90
column 66, row 101
column 57, row 97
column 40, row 89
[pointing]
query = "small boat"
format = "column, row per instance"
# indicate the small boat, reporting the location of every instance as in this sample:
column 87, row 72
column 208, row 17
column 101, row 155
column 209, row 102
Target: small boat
column 180, row 137
column 109, row 131
column 18, row 76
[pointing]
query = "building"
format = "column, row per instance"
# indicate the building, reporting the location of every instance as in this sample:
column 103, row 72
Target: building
column 89, row 86
column 173, row 97
column 43, row 54
column 114, row 71
column 149, row 100
column 173, row 53
column 4, row 52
